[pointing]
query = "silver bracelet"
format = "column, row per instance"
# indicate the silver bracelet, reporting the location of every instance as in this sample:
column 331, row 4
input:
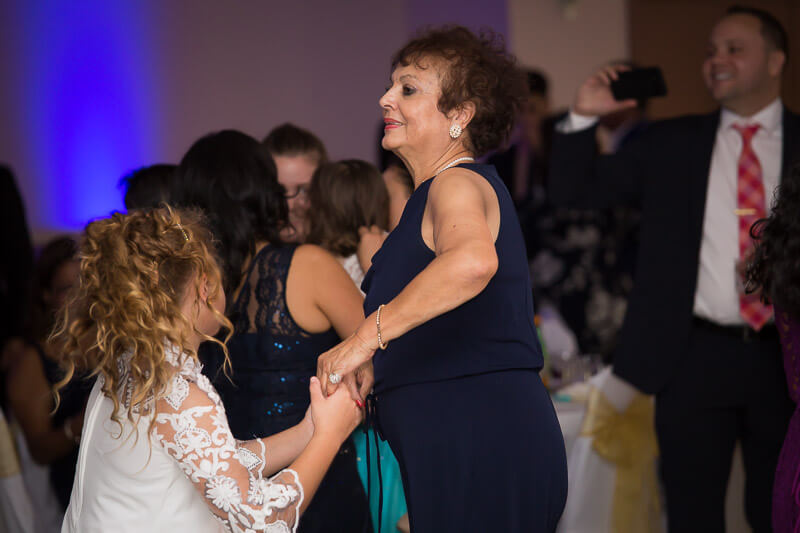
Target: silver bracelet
column 378, row 324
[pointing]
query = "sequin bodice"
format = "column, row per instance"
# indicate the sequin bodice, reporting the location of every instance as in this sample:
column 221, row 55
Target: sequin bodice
column 272, row 357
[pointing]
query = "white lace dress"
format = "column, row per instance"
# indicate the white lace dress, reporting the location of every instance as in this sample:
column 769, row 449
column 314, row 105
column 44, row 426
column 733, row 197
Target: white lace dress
column 189, row 475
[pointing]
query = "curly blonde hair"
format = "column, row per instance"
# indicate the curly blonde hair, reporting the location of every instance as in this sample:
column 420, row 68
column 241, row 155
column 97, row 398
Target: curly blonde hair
column 135, row 270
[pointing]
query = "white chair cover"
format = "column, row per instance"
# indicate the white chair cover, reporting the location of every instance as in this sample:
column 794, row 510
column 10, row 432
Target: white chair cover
column 593, row 479
column 16, row 509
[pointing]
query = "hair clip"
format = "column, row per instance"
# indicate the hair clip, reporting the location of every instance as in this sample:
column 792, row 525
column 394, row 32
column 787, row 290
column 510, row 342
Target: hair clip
column 185, row 236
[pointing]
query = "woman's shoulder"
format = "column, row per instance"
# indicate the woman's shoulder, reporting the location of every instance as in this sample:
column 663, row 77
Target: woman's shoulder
column 314, row 257
column 20, row 357
column 462, row 184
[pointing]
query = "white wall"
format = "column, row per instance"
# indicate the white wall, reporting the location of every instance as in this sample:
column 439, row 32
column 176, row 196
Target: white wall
column 568, row 46
column 207, row 65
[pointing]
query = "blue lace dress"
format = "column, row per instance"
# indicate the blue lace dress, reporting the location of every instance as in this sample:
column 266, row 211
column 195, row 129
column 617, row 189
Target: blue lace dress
column 273, row 359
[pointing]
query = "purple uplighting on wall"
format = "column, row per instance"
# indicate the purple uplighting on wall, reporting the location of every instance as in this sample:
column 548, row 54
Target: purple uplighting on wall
column 90, row 103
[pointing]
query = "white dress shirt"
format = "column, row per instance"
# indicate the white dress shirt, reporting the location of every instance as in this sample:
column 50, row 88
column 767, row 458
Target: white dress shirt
column 716, row 296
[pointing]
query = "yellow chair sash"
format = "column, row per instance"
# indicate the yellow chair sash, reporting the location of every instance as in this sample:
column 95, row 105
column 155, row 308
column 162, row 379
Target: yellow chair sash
column 628, row 441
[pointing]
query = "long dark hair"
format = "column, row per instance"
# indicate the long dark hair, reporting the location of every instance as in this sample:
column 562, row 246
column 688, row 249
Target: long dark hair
column 53, row 256
column 232, row 177
column 775, row 266
column 344, row 196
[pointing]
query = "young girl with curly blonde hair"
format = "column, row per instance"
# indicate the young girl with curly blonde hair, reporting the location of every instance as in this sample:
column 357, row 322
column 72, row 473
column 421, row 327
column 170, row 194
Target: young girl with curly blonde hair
column 156, row 450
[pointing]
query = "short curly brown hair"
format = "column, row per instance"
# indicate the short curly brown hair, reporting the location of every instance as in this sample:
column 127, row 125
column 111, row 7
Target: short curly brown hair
column 478, row 70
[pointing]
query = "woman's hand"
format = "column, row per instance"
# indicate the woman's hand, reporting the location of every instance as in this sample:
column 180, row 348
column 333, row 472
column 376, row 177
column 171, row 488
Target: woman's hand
column 360, row 382
column 365, row 378
column 335, row 416
column 343, row 359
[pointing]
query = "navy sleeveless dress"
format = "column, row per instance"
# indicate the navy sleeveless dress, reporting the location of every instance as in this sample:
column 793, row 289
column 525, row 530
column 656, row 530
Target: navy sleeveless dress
column 459, row 398
column 273, row 360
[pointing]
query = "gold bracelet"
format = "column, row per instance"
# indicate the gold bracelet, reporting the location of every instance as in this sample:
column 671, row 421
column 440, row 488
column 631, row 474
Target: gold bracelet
column 378, row 324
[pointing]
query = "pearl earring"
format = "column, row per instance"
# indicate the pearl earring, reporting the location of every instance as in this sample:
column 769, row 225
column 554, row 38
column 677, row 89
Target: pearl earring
column 455, row 131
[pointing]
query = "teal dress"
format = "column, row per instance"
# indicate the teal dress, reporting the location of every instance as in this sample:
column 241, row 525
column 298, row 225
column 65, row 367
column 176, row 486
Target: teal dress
column 394, row 499
column 390, row 481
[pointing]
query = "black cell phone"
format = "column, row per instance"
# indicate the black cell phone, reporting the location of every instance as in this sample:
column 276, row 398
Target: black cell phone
column 639, row 84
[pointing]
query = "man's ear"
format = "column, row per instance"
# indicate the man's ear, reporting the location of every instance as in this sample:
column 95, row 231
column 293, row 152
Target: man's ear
column 776, row 60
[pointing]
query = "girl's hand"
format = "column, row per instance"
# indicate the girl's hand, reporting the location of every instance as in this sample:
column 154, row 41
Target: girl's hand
column 335, row 416
column 307, row 424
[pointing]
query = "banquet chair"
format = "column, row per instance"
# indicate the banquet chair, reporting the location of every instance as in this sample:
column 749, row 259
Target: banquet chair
column 613, row 481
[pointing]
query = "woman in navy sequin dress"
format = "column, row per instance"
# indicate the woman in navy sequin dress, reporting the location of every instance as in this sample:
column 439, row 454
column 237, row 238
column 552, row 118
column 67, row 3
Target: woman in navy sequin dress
column 449, row 324
column 290, row 303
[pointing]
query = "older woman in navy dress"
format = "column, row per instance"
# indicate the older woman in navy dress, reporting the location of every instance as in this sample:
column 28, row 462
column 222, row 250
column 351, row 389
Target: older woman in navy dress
column 449, row 324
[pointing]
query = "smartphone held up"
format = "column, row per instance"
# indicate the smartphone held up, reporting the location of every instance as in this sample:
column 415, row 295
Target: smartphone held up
column 639, row 84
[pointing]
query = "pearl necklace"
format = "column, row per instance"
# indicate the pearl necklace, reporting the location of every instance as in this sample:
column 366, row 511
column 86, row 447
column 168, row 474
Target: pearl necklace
column 454, row 163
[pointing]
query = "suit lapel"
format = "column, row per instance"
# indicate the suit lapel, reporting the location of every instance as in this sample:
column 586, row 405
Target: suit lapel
column 791, row 141
column 698, row 168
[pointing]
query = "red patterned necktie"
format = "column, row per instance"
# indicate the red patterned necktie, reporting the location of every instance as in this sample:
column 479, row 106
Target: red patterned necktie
column 752, row 205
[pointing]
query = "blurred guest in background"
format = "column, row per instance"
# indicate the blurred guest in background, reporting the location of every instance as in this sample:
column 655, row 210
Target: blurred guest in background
column 288, row 304
column 709, row 352
column 297, row 154
column 31, row 369
column 583, row 260
column 346, row 198
column 774, row 273
column 400, row 186
column 148, row 186
column 17, row 257
column 523, row 166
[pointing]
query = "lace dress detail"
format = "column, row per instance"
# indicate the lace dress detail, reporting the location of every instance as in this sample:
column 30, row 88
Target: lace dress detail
column 192, row 427
column 261, row 305
column 272, row 356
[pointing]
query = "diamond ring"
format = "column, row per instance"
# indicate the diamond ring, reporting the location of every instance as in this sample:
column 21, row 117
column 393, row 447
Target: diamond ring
column 334, row 378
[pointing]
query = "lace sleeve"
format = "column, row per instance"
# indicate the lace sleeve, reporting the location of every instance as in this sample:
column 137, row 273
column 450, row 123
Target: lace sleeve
column 192, row 427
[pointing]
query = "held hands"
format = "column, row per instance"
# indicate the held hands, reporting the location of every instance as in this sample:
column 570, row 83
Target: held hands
column 360, row 382
column 335, row 416
column 352, row 355
column 594, row 97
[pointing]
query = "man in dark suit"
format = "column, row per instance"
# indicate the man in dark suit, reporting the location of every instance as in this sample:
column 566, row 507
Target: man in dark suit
column 709, row 352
